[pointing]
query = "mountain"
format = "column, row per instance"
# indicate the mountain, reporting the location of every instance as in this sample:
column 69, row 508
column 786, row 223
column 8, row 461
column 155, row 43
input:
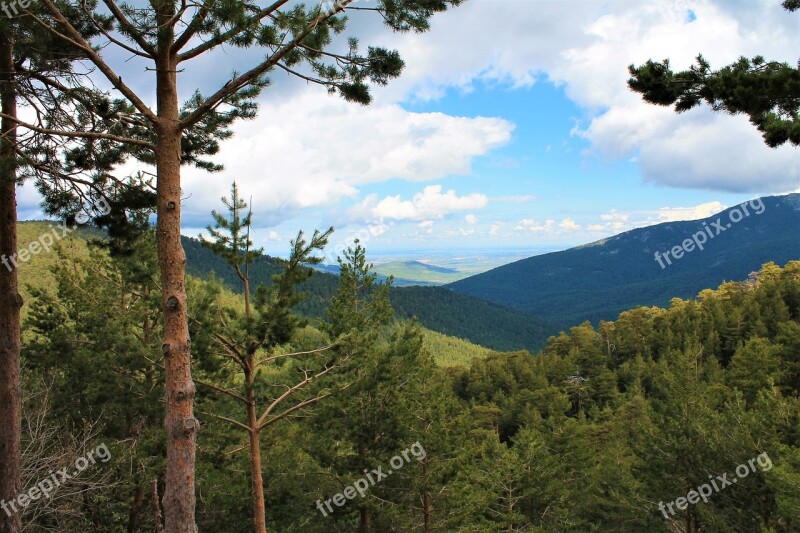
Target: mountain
column 599, row 280
column 398, row 282
column 419, row 273
column 442, row 310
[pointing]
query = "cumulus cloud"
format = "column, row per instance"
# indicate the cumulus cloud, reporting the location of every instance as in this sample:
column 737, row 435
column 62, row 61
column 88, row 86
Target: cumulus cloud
column 565, row 225
column 615, row 216
column 568, row 224
column 527, row 224
column 471, row 219
column 426, row 226
column 313, row 149
column 429, row 204
column 615, row 222
column 587, row 51
column 672, row 214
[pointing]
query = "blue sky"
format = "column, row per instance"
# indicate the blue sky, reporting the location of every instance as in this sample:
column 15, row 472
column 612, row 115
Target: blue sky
column 511, row 127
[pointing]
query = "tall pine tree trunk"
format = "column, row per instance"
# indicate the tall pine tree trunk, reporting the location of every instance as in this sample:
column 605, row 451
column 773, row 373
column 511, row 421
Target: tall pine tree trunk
column 180, row 424
column 247, row 310
column 10, row 300
column 363, row 512
column 426, row 497
column 256, row 480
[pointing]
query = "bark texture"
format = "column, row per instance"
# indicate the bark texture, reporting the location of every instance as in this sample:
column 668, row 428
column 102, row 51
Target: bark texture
column 10, row 299
column 180, row 423
column 256, row 480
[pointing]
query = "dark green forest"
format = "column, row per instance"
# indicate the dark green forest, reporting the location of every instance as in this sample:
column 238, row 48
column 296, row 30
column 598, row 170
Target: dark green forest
column 593, row 433
column 437, row 308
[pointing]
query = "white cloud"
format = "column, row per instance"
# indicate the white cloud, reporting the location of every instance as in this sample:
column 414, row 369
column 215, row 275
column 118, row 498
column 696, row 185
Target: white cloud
column 565, row 225
column 495, row 228
column 613, row 215
column 471, row 219
column 515, row 199
column 672, row 214
column 615, row 222
column 429, row 204
column 531, row 225
column 426, row 226
column 587, row 50
column 314, row 149
column 568, row 224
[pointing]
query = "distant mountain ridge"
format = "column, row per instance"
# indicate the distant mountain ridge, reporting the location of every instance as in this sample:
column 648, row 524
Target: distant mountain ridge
column 459, row 315
column 414, row 272
column 599, row 280
column 424, row 266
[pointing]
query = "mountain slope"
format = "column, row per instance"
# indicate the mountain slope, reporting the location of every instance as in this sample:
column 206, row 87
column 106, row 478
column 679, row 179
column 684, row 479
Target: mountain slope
column 599, row 280
column 37, row 274
column 417, row 271
column 459, row 315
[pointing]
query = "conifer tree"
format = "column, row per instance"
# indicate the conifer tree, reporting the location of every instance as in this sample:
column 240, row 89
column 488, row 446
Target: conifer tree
column 29, row 62
column 251, row 342
column 293, row 37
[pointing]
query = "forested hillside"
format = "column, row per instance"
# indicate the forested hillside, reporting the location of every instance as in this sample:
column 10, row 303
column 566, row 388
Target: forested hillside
column 439, row 309
column 599, row 280
column 39, row 276
column 601, row 431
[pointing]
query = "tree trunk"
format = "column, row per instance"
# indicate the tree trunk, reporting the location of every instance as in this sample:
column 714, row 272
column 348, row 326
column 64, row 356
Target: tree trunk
column 247, row 311
column 135, row 510
column 156, row 508
column 426, row 496
column 363, row 512
column 256, row 480
column 10, row 300
column 180, row 423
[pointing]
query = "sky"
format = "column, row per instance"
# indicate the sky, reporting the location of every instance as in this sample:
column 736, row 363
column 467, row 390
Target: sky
column 511, row 126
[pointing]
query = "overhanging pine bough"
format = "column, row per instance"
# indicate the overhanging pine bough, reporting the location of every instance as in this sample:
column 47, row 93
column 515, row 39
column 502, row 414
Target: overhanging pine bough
column 766, row 91
column 294, row 38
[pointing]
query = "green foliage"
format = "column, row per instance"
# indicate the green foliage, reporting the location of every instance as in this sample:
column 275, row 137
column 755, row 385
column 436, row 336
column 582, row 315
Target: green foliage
column 451, row 351
column 226, row 238
column 591, row 434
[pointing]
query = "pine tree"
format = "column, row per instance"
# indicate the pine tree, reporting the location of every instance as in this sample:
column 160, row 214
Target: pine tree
column 252, row 342
column 229, row 243
column 290, row 36
column 95, row 338
column 27, row 59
